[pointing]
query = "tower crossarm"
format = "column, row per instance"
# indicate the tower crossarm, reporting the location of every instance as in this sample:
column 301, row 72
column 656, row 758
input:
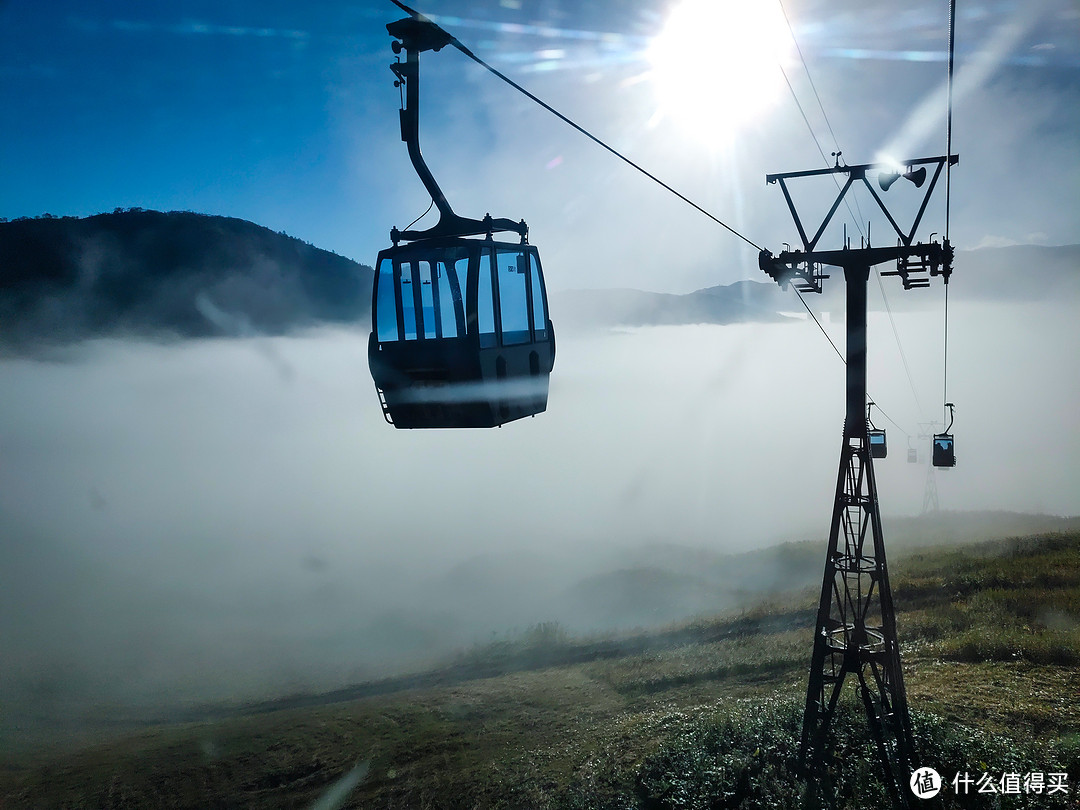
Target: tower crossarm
column 801, row 267
column 887, row 174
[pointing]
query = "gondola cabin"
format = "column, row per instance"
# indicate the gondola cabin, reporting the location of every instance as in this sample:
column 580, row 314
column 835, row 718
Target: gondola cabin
column 912, row 456
column 460, row 333
column 944, row 450
column 878, row 447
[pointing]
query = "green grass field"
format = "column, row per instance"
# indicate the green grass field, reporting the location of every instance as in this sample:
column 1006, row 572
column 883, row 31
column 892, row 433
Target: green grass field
column 702, row 715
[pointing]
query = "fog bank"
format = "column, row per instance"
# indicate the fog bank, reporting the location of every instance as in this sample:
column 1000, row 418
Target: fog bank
column 232, row 519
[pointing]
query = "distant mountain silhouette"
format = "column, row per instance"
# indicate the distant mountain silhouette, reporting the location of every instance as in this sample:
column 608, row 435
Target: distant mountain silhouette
column 155, row 274
column 1019, row 273
column 723, row 304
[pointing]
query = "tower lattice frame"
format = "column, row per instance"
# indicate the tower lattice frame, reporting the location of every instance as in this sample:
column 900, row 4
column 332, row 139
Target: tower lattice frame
column 855, row 631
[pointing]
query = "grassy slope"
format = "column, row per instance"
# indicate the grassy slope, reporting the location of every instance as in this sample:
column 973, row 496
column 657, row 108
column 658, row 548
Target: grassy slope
column 990, row 644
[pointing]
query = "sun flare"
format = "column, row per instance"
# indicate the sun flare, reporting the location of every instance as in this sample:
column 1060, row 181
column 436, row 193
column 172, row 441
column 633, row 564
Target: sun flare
column 716, row 65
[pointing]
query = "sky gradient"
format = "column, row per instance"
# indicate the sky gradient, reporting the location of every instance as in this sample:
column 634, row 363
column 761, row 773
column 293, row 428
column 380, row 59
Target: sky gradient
column 285, row 114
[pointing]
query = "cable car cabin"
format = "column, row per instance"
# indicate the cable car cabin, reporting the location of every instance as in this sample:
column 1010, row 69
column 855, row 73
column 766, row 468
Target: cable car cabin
column 460, row 333
column 912, row 456
column 878, row 448
column 944, row 450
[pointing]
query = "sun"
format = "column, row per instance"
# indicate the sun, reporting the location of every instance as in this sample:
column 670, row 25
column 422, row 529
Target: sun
column 716, row 65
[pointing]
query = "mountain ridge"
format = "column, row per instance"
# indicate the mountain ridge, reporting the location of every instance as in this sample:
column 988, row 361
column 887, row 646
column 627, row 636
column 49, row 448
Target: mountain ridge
column 167, row 274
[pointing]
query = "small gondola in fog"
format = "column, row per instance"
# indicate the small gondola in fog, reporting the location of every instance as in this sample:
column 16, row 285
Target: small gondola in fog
column 944, row 445
column 878, row 446
column 460, row 330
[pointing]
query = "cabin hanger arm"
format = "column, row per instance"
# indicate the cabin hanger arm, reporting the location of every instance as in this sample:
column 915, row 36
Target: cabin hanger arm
column 415, row 35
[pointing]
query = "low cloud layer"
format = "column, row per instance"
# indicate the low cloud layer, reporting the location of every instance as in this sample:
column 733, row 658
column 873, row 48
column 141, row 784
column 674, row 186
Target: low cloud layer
column 232, row 519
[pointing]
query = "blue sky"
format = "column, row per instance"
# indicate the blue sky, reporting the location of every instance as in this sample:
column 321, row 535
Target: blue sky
column 285, row 114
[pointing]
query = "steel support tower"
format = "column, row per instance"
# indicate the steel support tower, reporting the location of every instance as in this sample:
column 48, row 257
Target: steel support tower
column 855, row 632
column 930, row 492
column 930, row 503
